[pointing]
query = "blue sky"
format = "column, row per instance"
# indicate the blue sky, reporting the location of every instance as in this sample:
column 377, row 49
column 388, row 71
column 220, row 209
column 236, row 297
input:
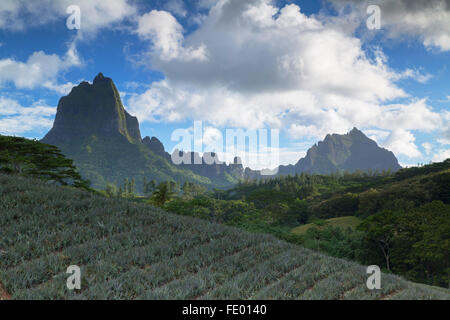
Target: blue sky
column 307, row 68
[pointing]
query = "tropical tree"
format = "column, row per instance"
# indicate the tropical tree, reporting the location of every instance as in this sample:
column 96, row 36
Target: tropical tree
column 33, row 158
column 422, row 246
column 149, row 186
column 380, row 230
column 192, row 190
column 163, row 193
column 111, row 190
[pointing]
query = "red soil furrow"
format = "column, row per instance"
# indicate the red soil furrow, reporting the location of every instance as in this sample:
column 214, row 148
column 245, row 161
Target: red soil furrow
column 3, row 294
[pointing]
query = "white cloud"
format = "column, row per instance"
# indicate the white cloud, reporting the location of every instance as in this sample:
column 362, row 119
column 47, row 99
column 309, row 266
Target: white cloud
column 429, row 21
column 207, row 4
column 250, row 50
column 17, row 120
column 166, row 34
column 417, row 115
column 427, row 146
column 177, row 7
column 218, row 106
column 62, row 89
column 9, row 107
column 18, row 15
column 212, row 139
column 445, row 128
column 416, row 75
column 441, row 155
column 40, row 70
column 377, row 135
column 275, row 67
column 401, row 142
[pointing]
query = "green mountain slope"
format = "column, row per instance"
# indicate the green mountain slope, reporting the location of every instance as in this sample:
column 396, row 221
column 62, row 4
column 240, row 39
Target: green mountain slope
column 131, row 251
column 93, row 128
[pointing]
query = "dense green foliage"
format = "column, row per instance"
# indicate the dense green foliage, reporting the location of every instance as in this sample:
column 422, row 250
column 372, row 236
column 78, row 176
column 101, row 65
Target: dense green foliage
column 359, row 193
column 414, row 242
column 163, row 193
column 128, row 250
column 32, row 158
column 395, row 208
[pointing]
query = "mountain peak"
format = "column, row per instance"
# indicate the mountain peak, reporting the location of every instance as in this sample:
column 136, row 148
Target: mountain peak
column 355, row 131
column 93, row 128
column 350, row 152
column 93, row 110
column 101, row 79
column 155, row 145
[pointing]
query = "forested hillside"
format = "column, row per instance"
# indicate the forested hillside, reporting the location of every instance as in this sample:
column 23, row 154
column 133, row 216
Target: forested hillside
column 405, row 216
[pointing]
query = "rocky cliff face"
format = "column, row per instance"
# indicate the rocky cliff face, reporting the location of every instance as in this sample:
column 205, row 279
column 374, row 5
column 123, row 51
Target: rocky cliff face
column 93, row 109
column 155, row 146
column 93, row 128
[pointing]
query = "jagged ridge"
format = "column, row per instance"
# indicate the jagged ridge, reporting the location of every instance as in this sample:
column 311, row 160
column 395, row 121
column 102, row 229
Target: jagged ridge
column 349, row 152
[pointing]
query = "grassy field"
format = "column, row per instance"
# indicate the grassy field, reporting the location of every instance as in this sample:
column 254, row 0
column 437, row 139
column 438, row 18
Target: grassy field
column 340, row 222
column 128, row 250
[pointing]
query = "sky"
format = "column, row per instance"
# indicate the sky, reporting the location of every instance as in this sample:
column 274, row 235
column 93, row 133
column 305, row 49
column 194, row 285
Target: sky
column 306, row 68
